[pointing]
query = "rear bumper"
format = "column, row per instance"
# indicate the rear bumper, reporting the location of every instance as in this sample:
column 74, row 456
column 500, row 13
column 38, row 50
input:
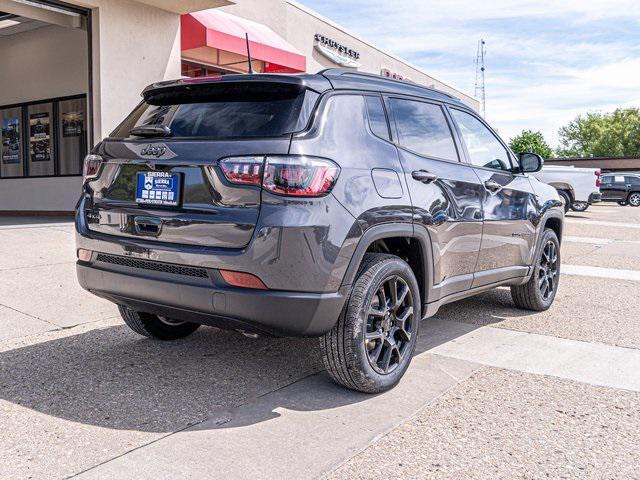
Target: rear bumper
column 205, row 301
column 595, row 197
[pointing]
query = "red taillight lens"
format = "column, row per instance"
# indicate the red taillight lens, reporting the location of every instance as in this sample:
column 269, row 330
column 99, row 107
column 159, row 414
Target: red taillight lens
column 598, row 175
column 243, row 170
column 300, row 176
column 91, row 166
column 242, row 279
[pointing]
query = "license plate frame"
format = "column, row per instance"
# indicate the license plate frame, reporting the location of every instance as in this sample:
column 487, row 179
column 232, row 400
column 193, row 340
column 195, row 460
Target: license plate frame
column 162, row 189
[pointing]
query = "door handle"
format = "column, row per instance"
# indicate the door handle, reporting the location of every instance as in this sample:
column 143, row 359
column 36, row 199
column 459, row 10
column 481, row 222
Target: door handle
column 148, row 226
column 492, row 186
column 424, row 176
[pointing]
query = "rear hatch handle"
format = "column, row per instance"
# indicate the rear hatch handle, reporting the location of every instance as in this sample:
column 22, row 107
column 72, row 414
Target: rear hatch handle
column 148, row 226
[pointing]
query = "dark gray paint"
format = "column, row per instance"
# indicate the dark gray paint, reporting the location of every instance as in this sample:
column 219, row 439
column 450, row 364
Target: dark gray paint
column 309, row 250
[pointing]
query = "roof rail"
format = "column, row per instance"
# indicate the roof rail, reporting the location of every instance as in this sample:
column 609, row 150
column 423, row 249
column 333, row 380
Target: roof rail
column 337, row 72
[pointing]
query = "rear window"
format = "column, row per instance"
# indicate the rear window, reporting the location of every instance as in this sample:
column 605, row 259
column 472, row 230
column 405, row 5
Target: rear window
column 238, row 110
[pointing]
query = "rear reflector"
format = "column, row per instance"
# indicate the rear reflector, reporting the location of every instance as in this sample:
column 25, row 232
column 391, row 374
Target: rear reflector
column 84, row 255
column 242, row 279
column 598, row 175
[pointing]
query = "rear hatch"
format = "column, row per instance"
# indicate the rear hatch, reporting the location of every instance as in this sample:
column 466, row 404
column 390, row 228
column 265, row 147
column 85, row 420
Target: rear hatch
column 160, row 176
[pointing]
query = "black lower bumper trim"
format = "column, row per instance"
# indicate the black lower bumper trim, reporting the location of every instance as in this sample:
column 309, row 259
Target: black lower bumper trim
column 274, row 312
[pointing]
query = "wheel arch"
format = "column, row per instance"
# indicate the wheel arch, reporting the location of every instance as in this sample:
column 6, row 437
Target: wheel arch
column 555, row 223
column 417, row 251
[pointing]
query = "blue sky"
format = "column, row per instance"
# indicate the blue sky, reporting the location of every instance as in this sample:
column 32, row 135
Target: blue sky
column 547, row 60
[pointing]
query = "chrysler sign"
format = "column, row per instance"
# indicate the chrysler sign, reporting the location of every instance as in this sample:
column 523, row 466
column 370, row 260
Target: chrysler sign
column 337, row 52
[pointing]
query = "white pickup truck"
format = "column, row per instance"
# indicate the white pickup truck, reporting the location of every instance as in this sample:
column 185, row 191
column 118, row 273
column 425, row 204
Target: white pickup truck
column 579, row 187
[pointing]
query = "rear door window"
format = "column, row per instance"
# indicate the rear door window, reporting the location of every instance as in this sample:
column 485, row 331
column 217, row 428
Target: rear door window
column 238, row 110
column 423, row 128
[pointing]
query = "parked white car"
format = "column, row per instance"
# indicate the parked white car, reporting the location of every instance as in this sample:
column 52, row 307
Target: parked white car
column 578, row 187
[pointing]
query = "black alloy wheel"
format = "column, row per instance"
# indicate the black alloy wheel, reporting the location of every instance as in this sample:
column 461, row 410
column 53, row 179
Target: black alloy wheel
column 389, row 325
column 548, row 270
column 370, row 347
column 541, row 288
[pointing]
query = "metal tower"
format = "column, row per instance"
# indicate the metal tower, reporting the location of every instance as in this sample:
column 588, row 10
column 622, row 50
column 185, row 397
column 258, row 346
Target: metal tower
column 479, row 90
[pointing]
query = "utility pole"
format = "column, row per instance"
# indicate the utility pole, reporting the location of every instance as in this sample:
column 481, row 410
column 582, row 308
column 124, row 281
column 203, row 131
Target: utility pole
column 480, row 90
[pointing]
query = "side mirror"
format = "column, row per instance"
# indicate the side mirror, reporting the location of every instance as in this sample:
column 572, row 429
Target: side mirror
column 530, row 162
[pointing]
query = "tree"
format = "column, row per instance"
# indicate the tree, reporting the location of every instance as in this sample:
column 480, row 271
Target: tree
column 615, row 134
column 529, row 141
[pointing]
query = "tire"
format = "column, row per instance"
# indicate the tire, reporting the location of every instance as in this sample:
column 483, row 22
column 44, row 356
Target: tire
column 532, row 295
column 376, row 364
column 634, row 199
column 622, row 204
column 579, row 206
column 567, row 200
column 153, row 326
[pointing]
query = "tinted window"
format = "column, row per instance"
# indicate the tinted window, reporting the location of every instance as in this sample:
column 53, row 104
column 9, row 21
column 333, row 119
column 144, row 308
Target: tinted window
column 377, row 117
column 423, row 128
column 225, row 111
column 633, row 180
column 484, row 148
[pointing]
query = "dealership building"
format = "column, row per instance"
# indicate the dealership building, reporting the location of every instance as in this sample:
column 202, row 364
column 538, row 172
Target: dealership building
column 71, row 71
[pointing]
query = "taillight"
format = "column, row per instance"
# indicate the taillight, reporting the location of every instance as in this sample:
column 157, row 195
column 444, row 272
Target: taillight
column 243, row 170
column 299, row 176
column 290, row 175
column 91, row 166
column 598, row 175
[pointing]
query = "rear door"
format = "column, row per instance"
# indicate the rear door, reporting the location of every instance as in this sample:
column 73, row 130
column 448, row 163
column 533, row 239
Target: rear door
column 508, row 236
column 445, row 193
column 173, row 189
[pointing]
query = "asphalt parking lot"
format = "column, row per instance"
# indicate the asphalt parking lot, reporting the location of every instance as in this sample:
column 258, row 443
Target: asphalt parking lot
column 494, row 392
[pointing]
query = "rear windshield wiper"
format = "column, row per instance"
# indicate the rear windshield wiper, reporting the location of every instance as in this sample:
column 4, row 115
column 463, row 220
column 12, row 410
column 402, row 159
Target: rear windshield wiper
column 151, row 131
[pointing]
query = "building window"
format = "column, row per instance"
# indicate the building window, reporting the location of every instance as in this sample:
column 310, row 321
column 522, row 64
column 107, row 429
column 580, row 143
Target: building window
column 43, row 139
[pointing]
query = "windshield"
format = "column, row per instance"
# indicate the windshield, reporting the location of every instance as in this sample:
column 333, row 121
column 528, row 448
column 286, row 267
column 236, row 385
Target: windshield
column 238, row 110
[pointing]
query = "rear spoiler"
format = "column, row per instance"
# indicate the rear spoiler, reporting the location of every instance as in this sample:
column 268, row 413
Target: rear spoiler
column 316, row 83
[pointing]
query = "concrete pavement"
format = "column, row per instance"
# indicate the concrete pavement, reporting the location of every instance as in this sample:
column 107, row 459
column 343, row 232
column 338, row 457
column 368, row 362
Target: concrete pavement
column 495, row 392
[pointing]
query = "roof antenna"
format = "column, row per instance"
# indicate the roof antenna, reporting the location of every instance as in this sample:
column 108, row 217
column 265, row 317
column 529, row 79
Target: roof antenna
column 251, row 72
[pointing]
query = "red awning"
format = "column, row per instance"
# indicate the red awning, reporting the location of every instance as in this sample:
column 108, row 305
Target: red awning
column 213, row 37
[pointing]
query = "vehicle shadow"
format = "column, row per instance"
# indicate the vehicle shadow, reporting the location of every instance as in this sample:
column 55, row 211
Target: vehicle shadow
column 113, row 378
column 27, row 221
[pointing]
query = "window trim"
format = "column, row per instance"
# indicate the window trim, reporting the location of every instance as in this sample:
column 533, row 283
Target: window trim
column 396, row 135
column 467, row 156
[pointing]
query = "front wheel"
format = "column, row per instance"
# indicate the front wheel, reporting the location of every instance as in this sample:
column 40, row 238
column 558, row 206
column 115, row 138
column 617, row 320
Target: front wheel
column 634, row 199
column 370, row 347
column 540, row 291
column 579, row 206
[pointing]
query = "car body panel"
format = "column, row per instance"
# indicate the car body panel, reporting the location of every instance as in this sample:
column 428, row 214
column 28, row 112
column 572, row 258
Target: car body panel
column 306, row 251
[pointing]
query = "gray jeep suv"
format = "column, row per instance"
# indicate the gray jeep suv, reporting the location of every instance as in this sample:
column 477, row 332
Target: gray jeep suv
column 340, row 205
